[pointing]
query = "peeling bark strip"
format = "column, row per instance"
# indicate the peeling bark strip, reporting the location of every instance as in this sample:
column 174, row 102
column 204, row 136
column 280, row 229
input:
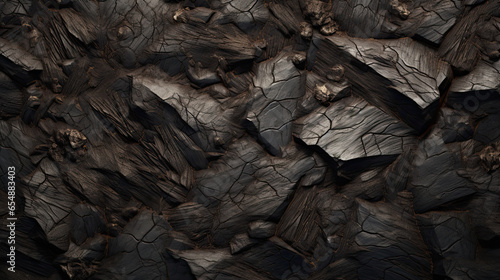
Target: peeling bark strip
column 250, row 139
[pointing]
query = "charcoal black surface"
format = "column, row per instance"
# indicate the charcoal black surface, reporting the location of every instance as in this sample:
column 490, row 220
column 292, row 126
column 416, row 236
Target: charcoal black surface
column 250, row 139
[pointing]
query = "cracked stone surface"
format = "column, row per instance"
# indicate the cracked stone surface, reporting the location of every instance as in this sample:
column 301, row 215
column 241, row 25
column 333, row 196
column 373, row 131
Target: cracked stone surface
column 402, row 70
column 277, row 88
column 351, row 129
column 250, row 139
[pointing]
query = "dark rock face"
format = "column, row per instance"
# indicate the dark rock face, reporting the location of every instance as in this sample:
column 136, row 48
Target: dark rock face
column 250, row 139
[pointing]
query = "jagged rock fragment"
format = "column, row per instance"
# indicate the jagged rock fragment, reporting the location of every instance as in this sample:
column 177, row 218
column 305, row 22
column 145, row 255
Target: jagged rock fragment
column 261, row 229
column 352, row 129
